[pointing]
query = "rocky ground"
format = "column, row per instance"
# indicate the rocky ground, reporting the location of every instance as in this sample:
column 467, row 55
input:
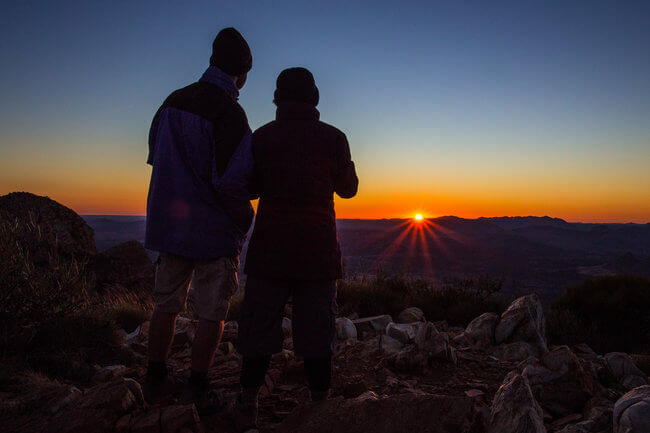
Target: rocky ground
column 497, row 375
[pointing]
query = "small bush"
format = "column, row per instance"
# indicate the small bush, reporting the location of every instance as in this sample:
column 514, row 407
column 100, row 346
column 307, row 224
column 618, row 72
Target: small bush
column 610, row 313
column 457, row 302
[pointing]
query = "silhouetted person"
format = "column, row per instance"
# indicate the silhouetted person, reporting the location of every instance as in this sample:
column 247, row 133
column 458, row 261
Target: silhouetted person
column 294, row 252
column 198, row 211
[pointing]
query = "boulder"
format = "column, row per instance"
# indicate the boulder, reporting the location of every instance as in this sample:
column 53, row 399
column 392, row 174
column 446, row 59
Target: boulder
column 514, row 408
column 632, row 411
column 402, row 332
column 625, row 370
column 480, row 331
column 410, row 315
column 523, row 320
column 345, row 329
column 390, row 345
column 57, row 225
column 598, row 419
column 396, row 413
column 434, row 345
column 369, row 327
column 559, row 382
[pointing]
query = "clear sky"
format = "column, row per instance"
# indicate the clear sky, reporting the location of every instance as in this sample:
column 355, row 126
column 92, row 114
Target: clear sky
column 459, row 108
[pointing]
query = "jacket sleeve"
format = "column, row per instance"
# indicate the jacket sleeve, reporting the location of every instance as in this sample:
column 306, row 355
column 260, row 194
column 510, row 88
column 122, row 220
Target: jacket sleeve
column 346, row 182
column 234, row 186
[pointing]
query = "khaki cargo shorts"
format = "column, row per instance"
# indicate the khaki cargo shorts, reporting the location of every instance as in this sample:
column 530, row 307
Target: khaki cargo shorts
column 213, row 283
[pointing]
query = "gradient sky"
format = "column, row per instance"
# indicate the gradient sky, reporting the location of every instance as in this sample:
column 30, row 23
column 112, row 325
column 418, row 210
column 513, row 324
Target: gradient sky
column 457, row 108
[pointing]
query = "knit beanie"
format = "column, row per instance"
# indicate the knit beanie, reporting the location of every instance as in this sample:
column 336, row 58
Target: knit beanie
column 231, row 53
column 296, row 84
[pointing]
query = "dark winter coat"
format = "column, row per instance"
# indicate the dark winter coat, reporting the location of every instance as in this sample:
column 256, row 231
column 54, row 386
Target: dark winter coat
column 299, row 163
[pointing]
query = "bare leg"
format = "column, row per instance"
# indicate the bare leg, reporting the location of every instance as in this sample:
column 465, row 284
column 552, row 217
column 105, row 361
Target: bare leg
column 161, row 333
column 206, row 340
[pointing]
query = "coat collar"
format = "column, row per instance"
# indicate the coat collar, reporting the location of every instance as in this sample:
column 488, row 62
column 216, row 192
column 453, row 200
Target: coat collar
column 296, row 110
column 216, row 76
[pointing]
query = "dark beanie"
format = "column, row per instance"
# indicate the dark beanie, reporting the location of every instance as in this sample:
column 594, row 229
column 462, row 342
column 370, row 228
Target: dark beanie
column 231, row 53
column 298, row 85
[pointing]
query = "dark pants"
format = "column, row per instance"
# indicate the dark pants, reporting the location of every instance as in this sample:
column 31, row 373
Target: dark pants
column 260, row 327
column 260, row 321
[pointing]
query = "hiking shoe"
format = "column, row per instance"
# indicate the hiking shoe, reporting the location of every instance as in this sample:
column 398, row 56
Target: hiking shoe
column 243, row 415
column 155, row 389
column 206, row 400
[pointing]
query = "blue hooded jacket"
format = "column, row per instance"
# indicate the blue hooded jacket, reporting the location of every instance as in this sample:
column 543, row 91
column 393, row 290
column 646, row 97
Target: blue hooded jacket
column 200, row 149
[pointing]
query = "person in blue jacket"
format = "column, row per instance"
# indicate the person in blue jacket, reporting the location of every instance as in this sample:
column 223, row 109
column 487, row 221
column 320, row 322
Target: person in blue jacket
column 198, row 211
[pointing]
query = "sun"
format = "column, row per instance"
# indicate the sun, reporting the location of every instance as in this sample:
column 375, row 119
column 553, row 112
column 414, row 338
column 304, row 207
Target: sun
column 418, row 217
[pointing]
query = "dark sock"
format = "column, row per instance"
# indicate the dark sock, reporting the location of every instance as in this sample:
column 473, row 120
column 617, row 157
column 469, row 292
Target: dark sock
column 156, row 369
column 253, row 371
column 319, row 373
column 199, row 378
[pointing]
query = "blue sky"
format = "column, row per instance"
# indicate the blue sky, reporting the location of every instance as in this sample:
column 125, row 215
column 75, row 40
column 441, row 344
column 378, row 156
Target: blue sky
column 470, row 108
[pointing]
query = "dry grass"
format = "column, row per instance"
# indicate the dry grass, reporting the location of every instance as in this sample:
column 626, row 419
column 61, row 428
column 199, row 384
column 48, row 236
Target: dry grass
column 51, row 318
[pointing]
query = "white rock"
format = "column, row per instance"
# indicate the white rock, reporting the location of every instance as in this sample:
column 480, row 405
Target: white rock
column 402, row 332
column 523, row 320
column 345, row 329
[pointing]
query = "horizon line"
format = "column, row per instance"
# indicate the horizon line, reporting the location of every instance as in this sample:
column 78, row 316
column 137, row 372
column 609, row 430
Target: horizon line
column 426, row 218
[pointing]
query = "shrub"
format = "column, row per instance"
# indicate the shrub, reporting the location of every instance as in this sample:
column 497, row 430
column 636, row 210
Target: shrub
column 610, row 313
column 457, row 302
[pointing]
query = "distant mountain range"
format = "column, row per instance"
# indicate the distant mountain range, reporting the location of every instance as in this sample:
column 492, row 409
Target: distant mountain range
column 534, row 254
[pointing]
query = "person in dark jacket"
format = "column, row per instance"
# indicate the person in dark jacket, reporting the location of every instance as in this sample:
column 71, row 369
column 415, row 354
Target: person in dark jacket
column 299, row 163
column 198, row 210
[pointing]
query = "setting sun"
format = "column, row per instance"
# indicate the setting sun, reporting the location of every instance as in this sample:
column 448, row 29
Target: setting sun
column 418, row 217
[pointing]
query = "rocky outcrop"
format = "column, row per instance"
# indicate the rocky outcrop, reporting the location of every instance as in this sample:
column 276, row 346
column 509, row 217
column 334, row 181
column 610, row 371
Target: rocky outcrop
column 632, row 411
column 57, row 225
column 559, row 382
column 523, row 321
column 514, row 409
